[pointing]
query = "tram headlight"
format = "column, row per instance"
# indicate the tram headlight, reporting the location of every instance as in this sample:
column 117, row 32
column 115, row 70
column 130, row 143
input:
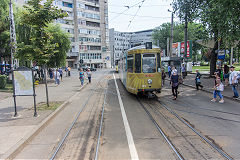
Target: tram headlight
column 149, row 81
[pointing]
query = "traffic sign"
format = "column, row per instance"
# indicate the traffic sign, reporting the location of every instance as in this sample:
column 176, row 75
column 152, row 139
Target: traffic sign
column 81, row 61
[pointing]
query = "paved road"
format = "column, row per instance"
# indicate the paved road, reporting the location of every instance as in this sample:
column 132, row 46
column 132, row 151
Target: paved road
column 135, row 136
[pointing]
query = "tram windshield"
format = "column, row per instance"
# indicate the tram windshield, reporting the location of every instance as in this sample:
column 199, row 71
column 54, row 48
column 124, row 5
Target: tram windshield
column 149, row 63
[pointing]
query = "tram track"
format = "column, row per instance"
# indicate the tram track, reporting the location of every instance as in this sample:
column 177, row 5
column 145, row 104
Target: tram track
column 208, row 141
column 192, row 143
column 96, row 89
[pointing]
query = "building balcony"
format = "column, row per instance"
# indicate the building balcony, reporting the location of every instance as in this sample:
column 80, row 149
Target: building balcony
column 72, row 54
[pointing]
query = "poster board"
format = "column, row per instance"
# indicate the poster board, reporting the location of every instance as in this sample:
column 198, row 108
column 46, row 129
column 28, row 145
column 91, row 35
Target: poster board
column 23, row 82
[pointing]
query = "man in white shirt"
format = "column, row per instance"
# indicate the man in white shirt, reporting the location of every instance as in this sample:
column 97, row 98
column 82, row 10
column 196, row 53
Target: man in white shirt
column 233, row 81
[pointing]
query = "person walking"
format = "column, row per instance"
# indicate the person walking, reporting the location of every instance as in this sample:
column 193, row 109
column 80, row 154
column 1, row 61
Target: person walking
column 69, row 71
column 174, row 82
column 61, row 73
column 218, row 88
column 233, row 81
column 163, row 76
column 197, row 80
column 89, row 74
column 169, row 71
column 66, row 71
column 81, row 76
column 57, row 77
column 184, row 72
column 226, row 74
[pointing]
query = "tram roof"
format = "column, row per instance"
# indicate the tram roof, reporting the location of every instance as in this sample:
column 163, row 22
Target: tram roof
column 143, row 47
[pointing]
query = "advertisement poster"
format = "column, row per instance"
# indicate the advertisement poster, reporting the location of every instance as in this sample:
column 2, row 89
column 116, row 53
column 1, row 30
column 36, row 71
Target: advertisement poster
column 189, row 49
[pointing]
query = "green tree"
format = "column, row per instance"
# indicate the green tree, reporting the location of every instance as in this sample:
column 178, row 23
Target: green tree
column 37, row 16
column 221, row 18
column 4, row 29
column 62, row 45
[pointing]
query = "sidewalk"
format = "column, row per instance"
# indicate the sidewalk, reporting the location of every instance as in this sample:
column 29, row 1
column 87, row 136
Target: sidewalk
column 208, row 84
column 15, row 129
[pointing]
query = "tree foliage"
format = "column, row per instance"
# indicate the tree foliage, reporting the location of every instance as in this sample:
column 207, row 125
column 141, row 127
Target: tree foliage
column 196, row 32
column 61, row 39
column 4, row 28
column 221, row 18
column 37, row 45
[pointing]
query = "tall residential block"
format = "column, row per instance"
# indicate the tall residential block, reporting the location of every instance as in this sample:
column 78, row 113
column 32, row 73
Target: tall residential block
column 87, row 24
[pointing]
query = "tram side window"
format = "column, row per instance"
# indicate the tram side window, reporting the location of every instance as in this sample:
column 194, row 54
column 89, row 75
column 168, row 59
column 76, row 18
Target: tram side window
column 158, row 62
column 137, row 63
column 130, row 63
column 149, row 63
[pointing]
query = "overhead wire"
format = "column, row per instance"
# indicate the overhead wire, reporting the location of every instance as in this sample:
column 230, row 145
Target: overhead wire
column 142, row 6
column 137, row 15
column 128, row 7
column 130, row 22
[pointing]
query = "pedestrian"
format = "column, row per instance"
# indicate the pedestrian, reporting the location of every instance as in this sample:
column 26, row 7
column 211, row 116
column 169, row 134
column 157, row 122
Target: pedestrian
column 218, row 88
column 81, row 76
column 169, row 71
column 89, row 74
column 226, row 74
column 233, row 81
column 61, row 73
column 57, row 77
column 174, row 83
column 184, row 72
column 66, row 71
column 69, row 71
column 163, row 76
column 198, row 80
column 50, row 73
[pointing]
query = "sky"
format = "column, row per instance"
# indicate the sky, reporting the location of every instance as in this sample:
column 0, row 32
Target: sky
column 151, row 14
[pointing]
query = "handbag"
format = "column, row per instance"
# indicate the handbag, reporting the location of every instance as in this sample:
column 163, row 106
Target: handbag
column 220, row 87
column 198, row 80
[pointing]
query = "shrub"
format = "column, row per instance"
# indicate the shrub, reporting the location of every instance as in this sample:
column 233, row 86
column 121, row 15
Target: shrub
column 3, row 81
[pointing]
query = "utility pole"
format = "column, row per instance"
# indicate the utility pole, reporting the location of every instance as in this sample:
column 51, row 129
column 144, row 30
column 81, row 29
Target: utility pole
column 231, row 58
column 12, row 35
column 171, row 37
column 168, row 47
column 186, row 30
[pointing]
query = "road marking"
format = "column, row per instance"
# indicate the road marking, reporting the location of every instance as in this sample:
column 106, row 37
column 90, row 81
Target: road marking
column 131, row 144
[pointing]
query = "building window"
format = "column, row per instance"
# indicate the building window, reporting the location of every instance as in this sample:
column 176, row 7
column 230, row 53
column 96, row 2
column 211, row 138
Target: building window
column 66, row 4
column 91, row 8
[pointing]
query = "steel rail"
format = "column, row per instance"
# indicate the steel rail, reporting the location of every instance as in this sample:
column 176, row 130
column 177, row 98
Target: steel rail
column 100, row 127
column 161, row 132
column 198, row 133
column 73, row 123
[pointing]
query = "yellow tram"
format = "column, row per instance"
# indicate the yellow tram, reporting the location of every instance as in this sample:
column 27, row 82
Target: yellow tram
column 140, row 70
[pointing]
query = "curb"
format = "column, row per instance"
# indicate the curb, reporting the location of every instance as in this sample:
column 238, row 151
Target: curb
column 17, row 148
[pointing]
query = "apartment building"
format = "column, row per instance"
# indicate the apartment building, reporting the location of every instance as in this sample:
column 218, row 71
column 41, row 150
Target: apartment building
column 122, row 41
column 119, row 43
column 87, row 24
column 141, row 37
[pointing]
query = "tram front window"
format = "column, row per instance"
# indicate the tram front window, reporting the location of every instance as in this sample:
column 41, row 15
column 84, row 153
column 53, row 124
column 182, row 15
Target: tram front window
column 149, row 63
